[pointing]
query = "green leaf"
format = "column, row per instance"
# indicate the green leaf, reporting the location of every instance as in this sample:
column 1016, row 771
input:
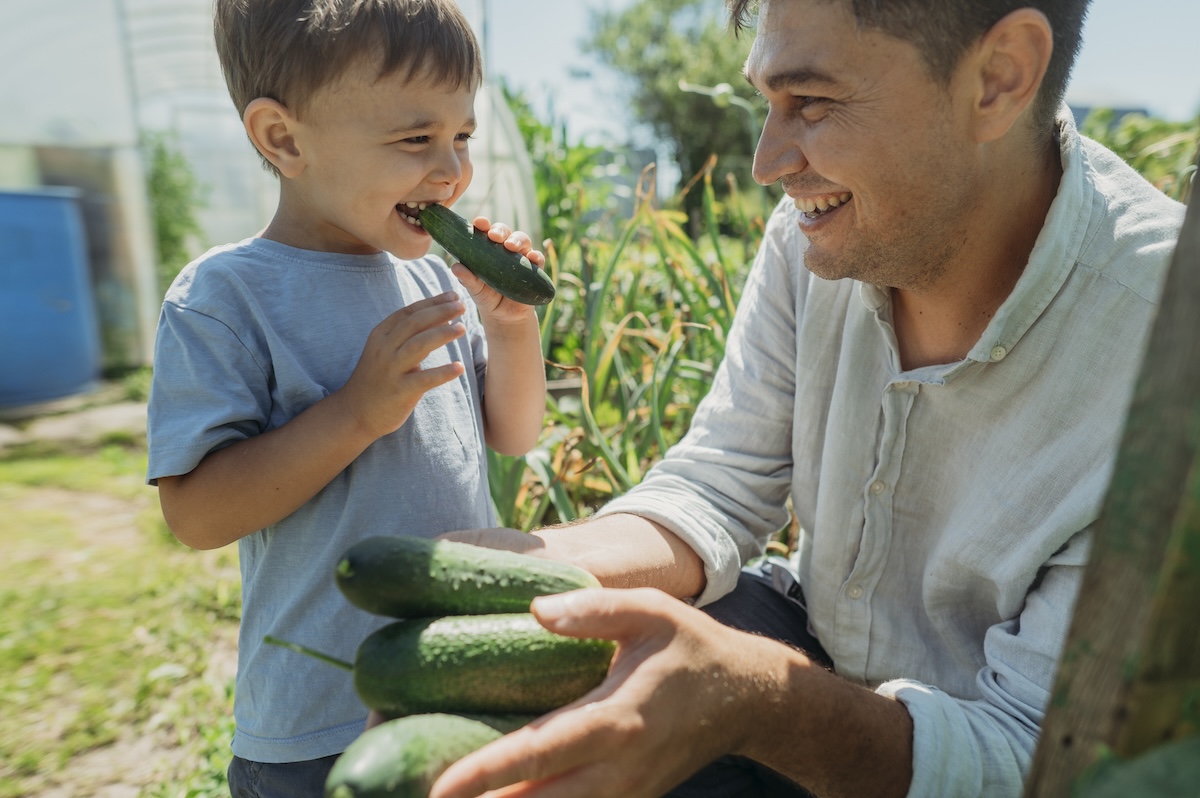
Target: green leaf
column 1171, row 770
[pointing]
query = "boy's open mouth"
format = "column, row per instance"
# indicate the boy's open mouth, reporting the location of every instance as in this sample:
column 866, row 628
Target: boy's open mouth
column 410, row 211
column 813, row 208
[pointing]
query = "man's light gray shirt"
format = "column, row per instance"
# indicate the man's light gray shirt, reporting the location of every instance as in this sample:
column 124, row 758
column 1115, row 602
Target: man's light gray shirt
column 945, row 510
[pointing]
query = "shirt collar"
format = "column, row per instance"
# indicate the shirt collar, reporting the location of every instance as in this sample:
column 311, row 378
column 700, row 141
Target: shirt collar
column 1054, row 255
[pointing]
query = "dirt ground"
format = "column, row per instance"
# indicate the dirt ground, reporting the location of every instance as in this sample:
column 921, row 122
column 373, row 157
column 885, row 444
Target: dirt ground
column 152, row 753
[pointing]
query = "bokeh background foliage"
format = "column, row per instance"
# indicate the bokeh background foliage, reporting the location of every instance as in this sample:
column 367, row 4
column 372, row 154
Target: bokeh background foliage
column 110, row 638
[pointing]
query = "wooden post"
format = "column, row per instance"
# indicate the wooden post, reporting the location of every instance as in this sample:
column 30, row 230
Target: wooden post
column 1129, row 676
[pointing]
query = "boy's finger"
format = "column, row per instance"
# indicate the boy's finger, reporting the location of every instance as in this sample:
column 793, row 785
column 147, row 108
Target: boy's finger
column 433, row 301
column 413, row 351
column 425, row 380
column 499, row 232
column 519, row 242
column 424, row 314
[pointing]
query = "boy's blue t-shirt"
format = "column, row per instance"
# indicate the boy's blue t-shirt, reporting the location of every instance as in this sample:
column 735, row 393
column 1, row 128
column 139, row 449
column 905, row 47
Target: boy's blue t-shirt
column 251, row 335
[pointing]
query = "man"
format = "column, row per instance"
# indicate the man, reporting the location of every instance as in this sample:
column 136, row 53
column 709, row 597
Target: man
column 933, row 357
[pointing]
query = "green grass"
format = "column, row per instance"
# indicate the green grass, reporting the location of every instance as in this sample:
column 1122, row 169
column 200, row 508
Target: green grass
column 105, row 626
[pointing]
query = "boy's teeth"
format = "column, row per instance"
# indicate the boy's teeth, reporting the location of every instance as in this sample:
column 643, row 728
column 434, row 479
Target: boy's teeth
column 410, row 210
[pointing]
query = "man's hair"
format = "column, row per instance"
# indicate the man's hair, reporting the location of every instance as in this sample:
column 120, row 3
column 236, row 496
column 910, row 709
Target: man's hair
column 287, row 50
column 942, row 30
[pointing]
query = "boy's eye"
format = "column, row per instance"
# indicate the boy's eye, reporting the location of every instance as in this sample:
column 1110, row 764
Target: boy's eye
column 417, row 140
column 465, row 136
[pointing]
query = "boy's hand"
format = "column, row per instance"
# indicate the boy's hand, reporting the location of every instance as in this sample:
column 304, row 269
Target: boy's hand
column 388, row 381
column 493, row 306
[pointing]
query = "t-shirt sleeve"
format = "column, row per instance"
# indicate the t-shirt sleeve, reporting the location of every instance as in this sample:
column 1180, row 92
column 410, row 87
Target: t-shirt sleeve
column 208, row 391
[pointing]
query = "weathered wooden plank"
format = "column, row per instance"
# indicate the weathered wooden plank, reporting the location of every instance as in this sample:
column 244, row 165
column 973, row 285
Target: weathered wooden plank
column 1129, row 676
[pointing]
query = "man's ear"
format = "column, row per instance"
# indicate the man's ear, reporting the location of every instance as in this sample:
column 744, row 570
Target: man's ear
column 272, row 129
column 1011, row 61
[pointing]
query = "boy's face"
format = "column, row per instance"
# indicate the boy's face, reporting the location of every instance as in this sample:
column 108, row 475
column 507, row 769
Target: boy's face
column 369, row 147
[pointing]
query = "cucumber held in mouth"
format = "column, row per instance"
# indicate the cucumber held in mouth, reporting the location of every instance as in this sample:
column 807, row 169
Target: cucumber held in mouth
column 507, row 272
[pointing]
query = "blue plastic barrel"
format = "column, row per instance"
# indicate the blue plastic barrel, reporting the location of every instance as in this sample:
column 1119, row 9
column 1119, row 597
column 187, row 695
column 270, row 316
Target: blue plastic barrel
column 49, row 336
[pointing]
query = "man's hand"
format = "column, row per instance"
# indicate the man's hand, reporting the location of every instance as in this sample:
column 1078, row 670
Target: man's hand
column 500, row 538
column 620, row 550
column 681, row 691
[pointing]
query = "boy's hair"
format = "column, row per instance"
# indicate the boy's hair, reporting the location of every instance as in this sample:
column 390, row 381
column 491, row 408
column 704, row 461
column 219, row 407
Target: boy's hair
column 942, row 30
column 286, row 50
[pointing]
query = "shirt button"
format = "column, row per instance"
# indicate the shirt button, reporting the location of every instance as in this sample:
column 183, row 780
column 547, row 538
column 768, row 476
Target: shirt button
column 877, row 487
column 998, row 354
column 855, row 592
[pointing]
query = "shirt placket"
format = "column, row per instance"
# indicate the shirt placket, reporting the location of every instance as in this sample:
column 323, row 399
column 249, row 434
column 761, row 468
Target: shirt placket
column 853, row 604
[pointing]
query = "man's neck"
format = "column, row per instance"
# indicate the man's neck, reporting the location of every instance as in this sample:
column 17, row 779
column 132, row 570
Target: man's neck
column 942, row 323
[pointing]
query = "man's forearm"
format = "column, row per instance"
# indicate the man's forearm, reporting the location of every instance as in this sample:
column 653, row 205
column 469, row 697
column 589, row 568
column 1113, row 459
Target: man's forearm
column 832, row 736
column 628, row 551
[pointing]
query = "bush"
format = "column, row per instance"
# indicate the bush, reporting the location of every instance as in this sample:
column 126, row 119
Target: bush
column 1163, row 152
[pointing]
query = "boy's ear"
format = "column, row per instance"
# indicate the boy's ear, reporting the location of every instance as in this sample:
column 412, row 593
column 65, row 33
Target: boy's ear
column 1011, row 61
column 272, row 129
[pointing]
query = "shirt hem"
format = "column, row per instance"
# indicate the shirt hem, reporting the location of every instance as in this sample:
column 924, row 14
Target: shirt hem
column 316, row 745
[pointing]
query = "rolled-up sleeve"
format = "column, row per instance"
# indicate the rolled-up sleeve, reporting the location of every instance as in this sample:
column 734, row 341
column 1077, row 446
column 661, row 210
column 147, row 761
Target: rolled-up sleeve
column 723, row 488
column 984, row 746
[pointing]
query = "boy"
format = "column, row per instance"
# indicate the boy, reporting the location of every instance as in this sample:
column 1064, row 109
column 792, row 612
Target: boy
column 327, row 380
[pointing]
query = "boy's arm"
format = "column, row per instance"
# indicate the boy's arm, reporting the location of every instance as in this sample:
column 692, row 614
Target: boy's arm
column 260, row 480
column 514, row 401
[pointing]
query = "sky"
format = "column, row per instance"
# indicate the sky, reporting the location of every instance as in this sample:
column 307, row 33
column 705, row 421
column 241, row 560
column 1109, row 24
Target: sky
column 1140, row 55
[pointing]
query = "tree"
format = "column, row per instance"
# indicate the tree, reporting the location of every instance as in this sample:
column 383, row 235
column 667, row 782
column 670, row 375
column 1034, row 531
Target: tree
column 655, row 44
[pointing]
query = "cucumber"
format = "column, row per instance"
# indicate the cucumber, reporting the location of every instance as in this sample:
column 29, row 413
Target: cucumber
column 411, row 577
column 482, row 664
column 403, row 758
column 509, row 273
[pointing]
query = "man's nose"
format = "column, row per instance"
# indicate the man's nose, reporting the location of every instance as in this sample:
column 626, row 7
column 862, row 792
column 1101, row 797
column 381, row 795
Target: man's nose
column 778, row 153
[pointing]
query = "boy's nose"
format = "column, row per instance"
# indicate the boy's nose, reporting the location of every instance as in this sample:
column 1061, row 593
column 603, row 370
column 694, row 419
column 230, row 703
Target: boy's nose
column 449, row 167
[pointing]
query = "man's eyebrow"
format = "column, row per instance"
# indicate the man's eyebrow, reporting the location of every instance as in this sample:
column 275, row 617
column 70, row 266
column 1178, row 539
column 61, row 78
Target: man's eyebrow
column 802, row 76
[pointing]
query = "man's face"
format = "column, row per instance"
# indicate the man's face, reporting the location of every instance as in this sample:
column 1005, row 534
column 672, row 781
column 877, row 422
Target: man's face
column 875, row 153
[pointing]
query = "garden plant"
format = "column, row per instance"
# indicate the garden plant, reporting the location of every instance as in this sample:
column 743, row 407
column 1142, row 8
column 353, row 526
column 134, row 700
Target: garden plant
column 108, row 633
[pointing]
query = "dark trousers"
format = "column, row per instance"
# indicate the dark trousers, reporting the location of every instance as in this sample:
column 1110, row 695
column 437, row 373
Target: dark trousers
column 279, row 780
column 771, row 604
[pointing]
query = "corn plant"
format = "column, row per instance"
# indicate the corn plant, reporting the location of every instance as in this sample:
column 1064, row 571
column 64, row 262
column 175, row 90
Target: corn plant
column 635, row 333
